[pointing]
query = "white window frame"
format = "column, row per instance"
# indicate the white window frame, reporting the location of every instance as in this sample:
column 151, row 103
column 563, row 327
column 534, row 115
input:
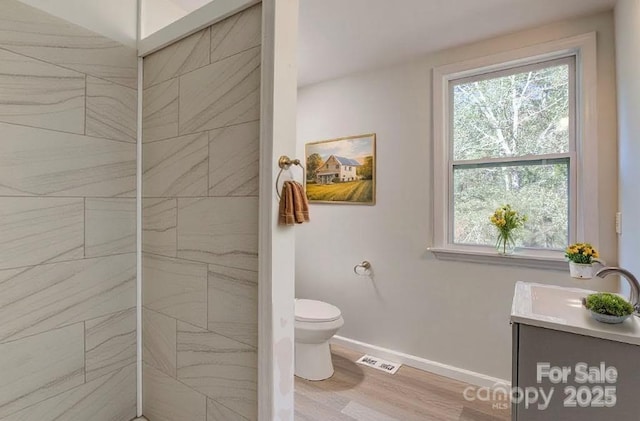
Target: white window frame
column 584, row 196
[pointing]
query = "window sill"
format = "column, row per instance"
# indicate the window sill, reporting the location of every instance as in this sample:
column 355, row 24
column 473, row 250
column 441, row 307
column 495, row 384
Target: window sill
column 536, row 259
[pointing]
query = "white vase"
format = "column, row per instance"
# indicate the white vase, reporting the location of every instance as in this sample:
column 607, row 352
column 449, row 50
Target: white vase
column 581, row 270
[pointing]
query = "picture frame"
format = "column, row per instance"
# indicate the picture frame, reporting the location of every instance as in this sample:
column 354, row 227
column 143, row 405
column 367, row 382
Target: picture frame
column 342, row 170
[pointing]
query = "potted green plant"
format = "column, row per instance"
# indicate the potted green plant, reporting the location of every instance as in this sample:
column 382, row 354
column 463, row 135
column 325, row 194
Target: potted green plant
column 608, row 308
column 507, row 220
column 581, row 257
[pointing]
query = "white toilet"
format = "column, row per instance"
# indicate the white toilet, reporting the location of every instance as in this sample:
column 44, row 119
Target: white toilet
column 316, row 322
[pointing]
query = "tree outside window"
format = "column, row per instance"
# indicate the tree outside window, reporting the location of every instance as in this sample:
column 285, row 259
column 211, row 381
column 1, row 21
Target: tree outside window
column 513, row 142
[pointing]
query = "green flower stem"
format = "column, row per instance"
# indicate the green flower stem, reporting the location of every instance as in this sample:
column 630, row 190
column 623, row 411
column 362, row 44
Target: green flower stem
column 504, row 237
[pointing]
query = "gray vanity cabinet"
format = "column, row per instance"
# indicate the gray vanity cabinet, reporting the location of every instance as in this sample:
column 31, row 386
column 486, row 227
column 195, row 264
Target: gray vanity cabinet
column 535, row 347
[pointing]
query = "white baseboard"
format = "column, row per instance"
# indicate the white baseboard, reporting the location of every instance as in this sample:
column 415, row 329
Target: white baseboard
column 445, row 370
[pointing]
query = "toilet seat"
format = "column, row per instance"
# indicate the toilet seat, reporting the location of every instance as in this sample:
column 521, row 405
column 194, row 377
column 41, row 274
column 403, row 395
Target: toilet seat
column 316, row 311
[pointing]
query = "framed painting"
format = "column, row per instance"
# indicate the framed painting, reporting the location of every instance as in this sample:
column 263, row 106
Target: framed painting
column 342, row 170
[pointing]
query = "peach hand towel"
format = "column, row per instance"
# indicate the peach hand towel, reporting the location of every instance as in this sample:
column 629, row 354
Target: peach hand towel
column 294, row 206
column 285, row 214
column 300, row 203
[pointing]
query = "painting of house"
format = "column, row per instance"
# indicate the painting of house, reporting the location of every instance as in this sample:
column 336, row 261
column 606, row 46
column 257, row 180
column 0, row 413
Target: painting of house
column 337, row 168
column 342, row 170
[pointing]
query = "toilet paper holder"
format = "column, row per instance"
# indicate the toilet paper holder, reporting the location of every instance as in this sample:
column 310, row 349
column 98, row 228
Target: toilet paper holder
column 362, row 269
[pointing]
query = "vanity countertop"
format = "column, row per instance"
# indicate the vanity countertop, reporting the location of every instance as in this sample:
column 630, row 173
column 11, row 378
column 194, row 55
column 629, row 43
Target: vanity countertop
column 560, row 308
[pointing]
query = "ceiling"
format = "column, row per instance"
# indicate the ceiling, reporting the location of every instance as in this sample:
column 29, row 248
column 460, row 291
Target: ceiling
column 190, row 5
column 157, row 14
column 339, row 37
column 115, row 19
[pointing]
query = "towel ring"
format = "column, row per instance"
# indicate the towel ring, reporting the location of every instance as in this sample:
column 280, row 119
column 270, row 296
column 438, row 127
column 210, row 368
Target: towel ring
column 285, row 163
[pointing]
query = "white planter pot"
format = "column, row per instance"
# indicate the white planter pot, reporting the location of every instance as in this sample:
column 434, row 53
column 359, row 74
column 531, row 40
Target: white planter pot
column 580, row 270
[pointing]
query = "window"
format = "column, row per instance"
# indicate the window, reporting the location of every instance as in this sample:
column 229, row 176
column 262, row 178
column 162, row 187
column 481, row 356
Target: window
column 513, row 142
column 516, row 129
column 337, row 167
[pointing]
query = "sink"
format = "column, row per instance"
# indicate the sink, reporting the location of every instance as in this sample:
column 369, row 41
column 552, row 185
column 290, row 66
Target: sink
column 560, row 308
column 557, row 302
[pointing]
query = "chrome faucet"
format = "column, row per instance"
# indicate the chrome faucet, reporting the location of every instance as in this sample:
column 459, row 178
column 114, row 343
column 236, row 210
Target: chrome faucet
column 634, row 298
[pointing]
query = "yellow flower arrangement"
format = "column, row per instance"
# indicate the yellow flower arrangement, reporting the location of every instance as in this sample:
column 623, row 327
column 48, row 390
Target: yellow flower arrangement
column 506, row 220
column 583, row 253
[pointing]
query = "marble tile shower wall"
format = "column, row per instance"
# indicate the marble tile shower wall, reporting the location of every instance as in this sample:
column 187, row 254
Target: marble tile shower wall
column 201, row 106
column 67, row 221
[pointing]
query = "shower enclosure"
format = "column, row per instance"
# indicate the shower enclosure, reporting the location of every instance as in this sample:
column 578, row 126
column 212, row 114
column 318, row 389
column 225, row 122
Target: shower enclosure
column 212, row 330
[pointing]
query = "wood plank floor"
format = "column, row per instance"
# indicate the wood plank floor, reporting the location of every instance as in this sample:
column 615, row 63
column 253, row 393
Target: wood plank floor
column 359, row 393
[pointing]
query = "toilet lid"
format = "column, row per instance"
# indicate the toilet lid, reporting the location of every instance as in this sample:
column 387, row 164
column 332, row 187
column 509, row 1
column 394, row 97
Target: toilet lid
column 316, row 311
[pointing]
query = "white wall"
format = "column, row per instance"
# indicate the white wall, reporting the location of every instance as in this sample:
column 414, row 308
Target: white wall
column 115, row 19
column 156, row 14
column 449, row 312
column 627, row 18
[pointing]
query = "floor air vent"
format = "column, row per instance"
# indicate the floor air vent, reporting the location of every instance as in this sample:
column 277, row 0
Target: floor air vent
column 379, row 364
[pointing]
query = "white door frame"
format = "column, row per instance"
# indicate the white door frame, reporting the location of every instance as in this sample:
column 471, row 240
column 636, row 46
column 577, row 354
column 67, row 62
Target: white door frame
column 277, row 244
column 277, row 137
